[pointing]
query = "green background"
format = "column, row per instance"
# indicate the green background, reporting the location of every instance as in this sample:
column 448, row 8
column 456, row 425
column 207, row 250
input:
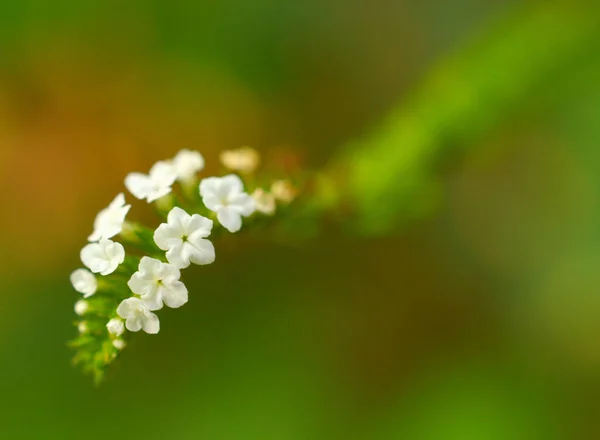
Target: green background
column 455, row 296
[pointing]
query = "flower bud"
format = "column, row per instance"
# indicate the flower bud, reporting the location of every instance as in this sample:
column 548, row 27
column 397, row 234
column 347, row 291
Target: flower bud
column 283, row 191
column 264, row 201
column 119, row 344
column 244, row 160
column 116, row 327
column 82, row 327
column 81, row 307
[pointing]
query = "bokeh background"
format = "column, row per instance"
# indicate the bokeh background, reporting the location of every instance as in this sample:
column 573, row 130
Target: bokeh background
column 457, row 297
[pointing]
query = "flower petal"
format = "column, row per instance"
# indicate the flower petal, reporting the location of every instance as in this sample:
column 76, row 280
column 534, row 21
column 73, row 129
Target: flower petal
column 84, row 282
column 175, row 295
column 133, row 323
column 176, row 257
column 151, row 324
column 187, row 163
column 202, row 251
column 230, row 219
column 244, row 203
column 231, row 185
column 138, row 185
column 199, row 226
column 162, row 174
column 209, row 185
column 167, row 236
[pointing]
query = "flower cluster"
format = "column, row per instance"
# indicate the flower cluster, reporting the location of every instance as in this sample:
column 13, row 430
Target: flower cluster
column 132, row 271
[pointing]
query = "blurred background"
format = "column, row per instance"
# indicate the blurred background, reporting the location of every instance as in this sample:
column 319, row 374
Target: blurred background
column 459, row 299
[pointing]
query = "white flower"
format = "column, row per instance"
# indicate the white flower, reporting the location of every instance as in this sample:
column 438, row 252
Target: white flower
column 137, row 316
column 109, row 222
column 183, row 237
column 157, row 283
column 154, row 185
column 81, row 307
column 186, row 164
column 82, row 327
column 119, row 344
column 226, row 197
column 84, row 282
column 244, row 159
column 283, row 191
column 115, row 326
column 264, row 201
column 103, row 257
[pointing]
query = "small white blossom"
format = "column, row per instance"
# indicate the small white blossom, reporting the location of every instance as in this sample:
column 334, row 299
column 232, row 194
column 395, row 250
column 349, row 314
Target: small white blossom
column 226, row 197
column 84, row 282
column 184, row 239
column 265, row 202
column 283, row 191
column 82, row 327
column 103, row 257
column 154, row 185
column 186, row 164
column 157, row 283
column 115, row 326
column 119, row 344
column 137, row 316
column 81, row 307
column 109, row 222
column 244, row 159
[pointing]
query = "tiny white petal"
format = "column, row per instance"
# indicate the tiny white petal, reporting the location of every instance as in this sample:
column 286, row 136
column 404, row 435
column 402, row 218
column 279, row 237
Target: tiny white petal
column 226, row 196
column 157, row 283
column 136, row 314
column 109, row 222
column 103, row 257
column 116, row 327
column 84, row 282
column 183, row 237
column 82, row 327
column 156, row 184
column 186, row 164
column 81, row 307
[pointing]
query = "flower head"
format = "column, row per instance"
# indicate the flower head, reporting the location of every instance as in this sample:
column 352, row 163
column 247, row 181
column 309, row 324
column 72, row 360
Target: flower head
column 81, row 307
column 264, row 201
column 157, row 283
column 109, row 222
column 137, row 316
column 103, row 257
column 183, row 237
column 115, row 327
column 82, row 327
column 84, row 282
column 154, row 185
column 244, row 159
column 226, row 197
column 186, row 164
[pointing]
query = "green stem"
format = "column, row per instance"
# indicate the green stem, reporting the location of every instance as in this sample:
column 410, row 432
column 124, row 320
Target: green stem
column 391, row 175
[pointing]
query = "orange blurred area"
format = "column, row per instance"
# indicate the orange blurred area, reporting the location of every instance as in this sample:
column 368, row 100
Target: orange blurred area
column 76, row 127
